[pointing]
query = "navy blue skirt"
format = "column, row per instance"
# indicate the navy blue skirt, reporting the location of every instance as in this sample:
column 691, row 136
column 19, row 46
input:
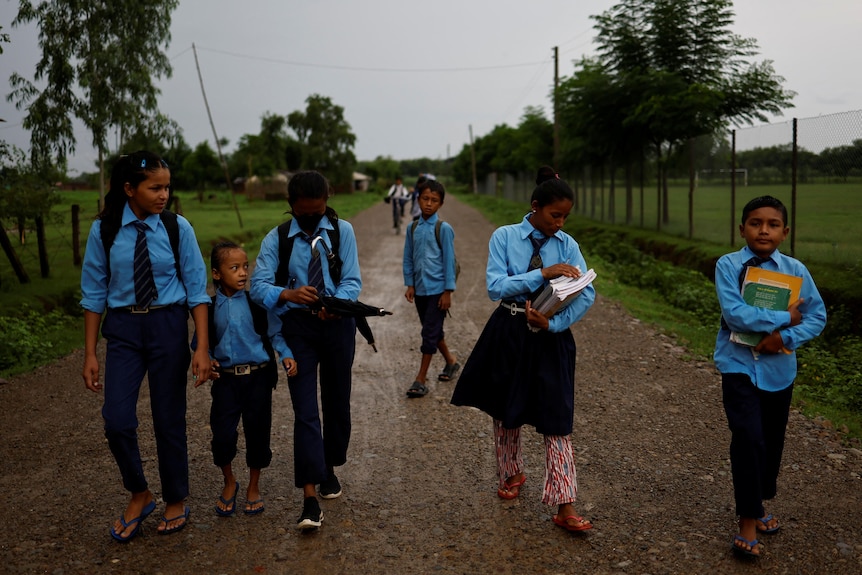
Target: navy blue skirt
column 521, row 377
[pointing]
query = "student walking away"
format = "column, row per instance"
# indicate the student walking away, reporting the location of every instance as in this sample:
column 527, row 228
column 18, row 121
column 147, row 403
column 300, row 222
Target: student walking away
column 313, row 254
column 143, row 271
column 243, row 340
column 522, row 368
column 429, row 274
column 757, row 383
column 398, row 196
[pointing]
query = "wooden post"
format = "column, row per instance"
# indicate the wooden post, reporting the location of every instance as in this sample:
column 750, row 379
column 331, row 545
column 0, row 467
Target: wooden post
column 43, row 250
column 76, row 235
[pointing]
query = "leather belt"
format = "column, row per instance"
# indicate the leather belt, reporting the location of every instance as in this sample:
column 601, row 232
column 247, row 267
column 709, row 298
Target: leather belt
column 137, row 309
column 243, row 369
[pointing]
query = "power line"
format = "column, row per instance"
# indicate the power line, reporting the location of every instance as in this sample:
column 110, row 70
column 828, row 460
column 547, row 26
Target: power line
column 361, row 68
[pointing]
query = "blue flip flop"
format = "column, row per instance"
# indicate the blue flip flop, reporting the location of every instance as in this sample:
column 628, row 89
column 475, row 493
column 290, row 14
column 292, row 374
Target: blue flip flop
column 145, row 512
column 257, row 510
column 742, row 551
column 229, row 503
column 169, row 530
column 763, row 525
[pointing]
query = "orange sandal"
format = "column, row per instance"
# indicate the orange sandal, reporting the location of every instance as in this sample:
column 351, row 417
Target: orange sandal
column 512, row 490
column 581, row 523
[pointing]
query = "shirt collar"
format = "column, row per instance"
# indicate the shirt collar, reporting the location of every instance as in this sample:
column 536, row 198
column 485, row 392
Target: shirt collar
column 526, row 229
column 129, row 216
column 430, row 221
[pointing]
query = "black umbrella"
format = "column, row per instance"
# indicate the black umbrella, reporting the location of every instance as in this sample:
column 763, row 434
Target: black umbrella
column 354, row 309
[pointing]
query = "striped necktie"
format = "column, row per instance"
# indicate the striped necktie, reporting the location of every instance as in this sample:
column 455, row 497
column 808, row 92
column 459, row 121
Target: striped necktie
column 536, row 259
column 145, row 284
column 755, row 262
column 315, row 269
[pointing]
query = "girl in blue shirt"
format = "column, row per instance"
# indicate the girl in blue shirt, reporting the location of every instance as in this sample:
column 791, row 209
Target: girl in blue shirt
column 243, row 340
column 522, row 368
column 317, row 338
column 757, row 383
column 146, row 332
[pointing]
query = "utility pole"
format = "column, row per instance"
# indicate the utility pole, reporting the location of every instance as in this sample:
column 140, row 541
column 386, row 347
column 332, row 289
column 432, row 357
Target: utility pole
column 473, row 161
column 215, row 135
column 556, row 119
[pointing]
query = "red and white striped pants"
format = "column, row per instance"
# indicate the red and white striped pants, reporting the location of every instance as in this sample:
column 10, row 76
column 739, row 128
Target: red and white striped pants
column 561, row 478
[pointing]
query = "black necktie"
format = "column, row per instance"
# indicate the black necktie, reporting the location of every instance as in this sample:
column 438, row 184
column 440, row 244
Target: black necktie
column 145, row 285
column 755, row 262
column 315, row 269
column 536, row 262
column 536, row 259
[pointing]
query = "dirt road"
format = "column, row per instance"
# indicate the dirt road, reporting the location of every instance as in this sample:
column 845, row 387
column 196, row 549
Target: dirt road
column 419, row 486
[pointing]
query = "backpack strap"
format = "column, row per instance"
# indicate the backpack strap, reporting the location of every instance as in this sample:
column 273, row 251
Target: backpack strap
column 169, row 220
column 259, row 318
column 285, row 249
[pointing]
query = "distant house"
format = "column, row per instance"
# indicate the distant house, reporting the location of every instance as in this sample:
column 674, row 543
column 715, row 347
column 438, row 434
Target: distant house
column 360, row 182
column 269, row 188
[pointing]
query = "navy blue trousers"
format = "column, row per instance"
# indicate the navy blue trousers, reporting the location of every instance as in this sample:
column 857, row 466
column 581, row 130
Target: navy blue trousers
column 329, row 346
column 248, row 397
column 757, row 421
column 432, row 318
column 155, row 344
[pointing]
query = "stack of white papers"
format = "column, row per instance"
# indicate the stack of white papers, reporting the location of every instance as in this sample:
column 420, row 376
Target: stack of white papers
column 560, row 292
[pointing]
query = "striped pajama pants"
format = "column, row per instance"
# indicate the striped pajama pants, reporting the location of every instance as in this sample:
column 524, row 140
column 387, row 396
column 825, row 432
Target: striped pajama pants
column 561, row 478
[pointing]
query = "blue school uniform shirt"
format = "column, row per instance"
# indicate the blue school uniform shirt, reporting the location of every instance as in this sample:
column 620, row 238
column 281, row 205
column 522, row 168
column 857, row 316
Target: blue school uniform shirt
column 238, row 342
column 428, row 267
column 509, row 254
column 264, row 290
column 770, row 372
column 98, row 293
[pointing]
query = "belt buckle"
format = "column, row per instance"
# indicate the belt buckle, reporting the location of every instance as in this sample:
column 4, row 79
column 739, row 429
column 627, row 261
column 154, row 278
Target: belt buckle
column 242, row 369
column 139, row 309
column 513, row 308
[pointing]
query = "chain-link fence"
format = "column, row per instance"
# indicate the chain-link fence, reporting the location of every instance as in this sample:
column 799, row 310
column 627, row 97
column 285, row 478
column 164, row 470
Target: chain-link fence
column 813, row 165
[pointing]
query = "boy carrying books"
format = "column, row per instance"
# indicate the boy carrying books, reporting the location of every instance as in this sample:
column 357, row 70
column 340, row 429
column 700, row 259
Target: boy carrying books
column 757, row 382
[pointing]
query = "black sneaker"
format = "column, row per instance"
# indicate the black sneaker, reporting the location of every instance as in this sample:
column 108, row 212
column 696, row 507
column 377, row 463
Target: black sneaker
column 312, row 516
column 331, row 488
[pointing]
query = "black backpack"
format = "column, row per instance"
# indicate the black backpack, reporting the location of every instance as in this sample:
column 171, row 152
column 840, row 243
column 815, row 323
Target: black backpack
column 285, row 249
column 169, row 220
column 439, row 243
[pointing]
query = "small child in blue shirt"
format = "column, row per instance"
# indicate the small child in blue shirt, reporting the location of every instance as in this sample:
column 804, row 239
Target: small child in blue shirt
column 429, row 274
column 757, row 383
column 243, row 338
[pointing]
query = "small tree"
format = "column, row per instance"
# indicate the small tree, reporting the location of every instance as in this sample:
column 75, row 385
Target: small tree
column 98, row 63
column 326, row 139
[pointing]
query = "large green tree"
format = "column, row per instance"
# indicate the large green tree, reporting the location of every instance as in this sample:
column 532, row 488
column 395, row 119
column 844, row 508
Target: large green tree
column 99, row 61
column 325, row 138
column 690, row 73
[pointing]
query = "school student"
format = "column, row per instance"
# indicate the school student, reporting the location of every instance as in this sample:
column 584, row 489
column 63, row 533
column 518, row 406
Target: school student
column 757, row 383
column 243, row 340
column 522, row 368
column 429, row 275
column 143, row 272
column 290, row 285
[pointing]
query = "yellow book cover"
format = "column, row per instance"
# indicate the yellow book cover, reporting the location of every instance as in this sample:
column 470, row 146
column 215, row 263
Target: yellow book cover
column 783, row 283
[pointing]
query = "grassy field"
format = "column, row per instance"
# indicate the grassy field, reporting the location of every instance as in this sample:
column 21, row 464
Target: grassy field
column 827, row 216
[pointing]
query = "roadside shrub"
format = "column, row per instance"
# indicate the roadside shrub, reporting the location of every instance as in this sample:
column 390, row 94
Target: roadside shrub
column 24, row 339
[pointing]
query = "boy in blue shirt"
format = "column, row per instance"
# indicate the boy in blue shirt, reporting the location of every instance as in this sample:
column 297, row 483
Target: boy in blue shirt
column 429, row 274
column 757, row 383
column 243, row 339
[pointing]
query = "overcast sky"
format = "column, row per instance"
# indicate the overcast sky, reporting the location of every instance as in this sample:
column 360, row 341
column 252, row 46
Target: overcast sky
column 413, row 76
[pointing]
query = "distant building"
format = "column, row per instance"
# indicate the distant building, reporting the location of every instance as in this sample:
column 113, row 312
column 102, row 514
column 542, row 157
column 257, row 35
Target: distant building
column 360, row 182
